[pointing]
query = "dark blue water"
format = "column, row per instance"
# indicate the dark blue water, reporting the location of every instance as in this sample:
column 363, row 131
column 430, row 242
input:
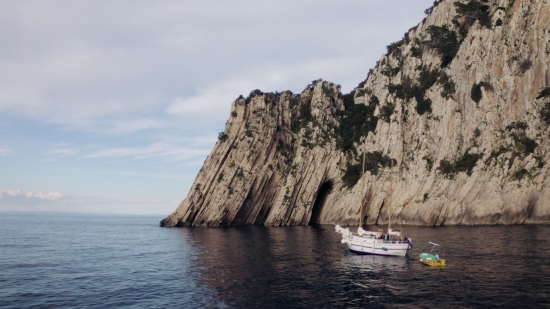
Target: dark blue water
column 91, row 261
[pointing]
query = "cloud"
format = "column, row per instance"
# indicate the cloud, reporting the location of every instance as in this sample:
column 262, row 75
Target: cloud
column 62, row 151
column 88, row 204
column 30, row 195
column 10, row 193
column 205, row 103
column 156, row 150
column 45, row 196
column 4, row 151
column 155, row 79
column 71, row 64
column 212, row 101
column 139, row 174
column 195, row 163
column 137, row 124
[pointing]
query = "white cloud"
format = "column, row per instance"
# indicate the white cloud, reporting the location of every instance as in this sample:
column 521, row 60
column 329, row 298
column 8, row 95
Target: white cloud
column 137, row 124
column 10, row 193
column 164, row 176
column 134, row 206
column 155, row 150
column 4, row 151
column 62, row 151
column 18, row 193
column 70, row 63
column 214, row 100
column 45, row 196
column 147, row 79
column 205, row 103
column 195, row 163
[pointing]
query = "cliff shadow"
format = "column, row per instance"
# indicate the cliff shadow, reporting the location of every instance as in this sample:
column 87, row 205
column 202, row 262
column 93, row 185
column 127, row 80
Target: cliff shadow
column 320, row 201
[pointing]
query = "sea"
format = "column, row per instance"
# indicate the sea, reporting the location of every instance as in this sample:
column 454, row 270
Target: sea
column 55, row 260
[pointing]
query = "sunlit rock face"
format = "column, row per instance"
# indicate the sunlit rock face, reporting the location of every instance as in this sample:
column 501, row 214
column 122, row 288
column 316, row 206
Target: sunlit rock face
column 453, row 122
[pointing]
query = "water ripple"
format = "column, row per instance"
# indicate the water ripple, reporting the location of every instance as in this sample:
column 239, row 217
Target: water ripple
column 67, row 261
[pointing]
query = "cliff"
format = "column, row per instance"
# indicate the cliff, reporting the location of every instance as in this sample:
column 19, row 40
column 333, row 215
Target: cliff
column 453, row 124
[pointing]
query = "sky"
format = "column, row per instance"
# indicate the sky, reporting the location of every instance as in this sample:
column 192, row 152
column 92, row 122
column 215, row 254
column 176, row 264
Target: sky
column 113, row 106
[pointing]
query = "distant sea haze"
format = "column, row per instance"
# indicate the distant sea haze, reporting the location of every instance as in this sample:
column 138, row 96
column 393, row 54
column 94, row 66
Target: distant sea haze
column 74, row 261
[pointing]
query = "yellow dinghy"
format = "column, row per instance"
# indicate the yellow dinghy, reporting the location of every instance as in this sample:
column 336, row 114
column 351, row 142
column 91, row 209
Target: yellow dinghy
column 432, row 259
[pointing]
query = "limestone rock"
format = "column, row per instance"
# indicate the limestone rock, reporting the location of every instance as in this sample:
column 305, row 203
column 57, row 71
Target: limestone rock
column 453, row 122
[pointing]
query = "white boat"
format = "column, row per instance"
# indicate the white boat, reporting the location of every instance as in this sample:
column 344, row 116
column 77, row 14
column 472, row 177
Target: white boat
column 378, row 243
column 390, row 243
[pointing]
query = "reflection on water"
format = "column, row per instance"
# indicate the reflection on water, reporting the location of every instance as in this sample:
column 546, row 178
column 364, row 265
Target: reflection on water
column 308, row 267
column 74, row 261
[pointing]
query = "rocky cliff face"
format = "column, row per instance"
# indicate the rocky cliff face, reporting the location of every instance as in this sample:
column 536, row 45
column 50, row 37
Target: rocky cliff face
column 453, row 126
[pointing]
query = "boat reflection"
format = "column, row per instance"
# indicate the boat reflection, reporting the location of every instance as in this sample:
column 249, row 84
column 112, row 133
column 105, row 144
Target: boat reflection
column 374, row 262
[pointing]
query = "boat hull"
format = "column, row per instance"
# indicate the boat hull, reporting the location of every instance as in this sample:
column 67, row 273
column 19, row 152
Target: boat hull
column 374, row 246
column 431, row 260
column 437, row 263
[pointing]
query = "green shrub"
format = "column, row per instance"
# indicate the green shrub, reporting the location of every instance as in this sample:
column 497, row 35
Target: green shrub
column 313, row 84
column 540, row 161
column 352, row 175
column 449, row 87
column 466, row 163
column 400, row 91
column 446, row 168
column 253, row 94
column 470, row 12
column 520, row 125
column 326, row 90
column 348, row 99
column 498, row 22
column 497, row 152
column 423, row 106
column 428, row 78
column 524, row 144
column 222, row 136
column 407, row 91
column 429, row 10
column 416, row 52
column 445, row 42
column 374, row 101
column 375, row 160
column 429, row 162
column 545, row 93
column 476, row 93
column 355, row 121
column 395, row 46
column 525, row 65
column 305, row 116
column 545, row 113
column 386, row 111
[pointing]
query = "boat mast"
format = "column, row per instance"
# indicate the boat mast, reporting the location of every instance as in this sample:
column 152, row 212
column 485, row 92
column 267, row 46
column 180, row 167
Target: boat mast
column 391, row 191
column 361, row 195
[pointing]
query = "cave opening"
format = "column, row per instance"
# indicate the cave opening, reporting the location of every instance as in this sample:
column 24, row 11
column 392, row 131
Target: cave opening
column 320, row 202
